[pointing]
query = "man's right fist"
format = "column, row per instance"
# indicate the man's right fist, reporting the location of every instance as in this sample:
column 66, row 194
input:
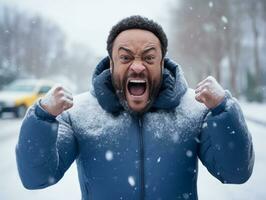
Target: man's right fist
column 57, row 100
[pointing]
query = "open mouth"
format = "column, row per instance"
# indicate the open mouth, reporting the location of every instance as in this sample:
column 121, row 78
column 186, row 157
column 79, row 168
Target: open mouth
column 137, row 87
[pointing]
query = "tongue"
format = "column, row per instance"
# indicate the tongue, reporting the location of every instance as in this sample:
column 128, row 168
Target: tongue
column 137, row 89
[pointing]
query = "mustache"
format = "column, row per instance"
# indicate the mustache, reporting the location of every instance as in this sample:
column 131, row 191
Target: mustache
column 136, row 75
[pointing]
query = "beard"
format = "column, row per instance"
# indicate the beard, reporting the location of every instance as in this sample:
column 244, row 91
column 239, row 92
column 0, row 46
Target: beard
column 120, row 86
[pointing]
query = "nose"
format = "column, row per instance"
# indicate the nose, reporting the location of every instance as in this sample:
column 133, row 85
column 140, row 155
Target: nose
column 137, row 67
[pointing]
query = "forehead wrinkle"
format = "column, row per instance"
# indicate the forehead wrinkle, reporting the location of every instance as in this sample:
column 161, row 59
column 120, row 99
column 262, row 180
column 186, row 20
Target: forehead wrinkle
column 140, row 50
column 136, row 40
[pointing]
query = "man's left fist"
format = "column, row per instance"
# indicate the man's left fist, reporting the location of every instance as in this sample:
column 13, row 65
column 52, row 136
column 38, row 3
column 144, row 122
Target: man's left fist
column 209, row 92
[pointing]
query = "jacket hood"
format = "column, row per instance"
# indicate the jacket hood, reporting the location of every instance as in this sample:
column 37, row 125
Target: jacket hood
column 173, row 87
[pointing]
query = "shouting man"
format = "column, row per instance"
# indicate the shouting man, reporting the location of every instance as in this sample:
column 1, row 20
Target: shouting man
column 140, row 131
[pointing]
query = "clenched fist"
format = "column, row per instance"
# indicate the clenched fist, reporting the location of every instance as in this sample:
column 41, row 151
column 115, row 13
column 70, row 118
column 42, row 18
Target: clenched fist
column 209, row 92
column 57, row 100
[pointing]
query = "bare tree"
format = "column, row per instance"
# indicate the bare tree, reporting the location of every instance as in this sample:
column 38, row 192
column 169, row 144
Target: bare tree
column 33, row 46
column 198, row 36
column 207, row 33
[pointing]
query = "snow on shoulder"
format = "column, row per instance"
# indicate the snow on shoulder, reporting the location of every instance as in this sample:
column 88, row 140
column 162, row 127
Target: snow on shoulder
column 181, row 122
column 88, row 117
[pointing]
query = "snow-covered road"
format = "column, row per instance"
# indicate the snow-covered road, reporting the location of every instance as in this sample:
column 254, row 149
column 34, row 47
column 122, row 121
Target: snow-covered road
column 10, row 185
column 68, row 188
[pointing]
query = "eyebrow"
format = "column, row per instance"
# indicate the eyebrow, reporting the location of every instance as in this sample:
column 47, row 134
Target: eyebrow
column 149, row 49
column 130, row 52
column 125, row 49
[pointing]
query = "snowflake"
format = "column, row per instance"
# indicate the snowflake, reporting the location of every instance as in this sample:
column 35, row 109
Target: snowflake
column 109, row 155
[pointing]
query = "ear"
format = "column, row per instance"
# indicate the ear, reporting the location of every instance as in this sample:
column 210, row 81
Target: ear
column 162, row 67
column 111, row 65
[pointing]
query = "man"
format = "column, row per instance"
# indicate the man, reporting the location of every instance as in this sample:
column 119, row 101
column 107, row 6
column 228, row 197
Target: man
column 140, row 132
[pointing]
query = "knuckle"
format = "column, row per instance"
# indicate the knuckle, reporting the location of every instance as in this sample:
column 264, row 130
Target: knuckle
column 211, row 79
column 197, row 97
column 59, row 88
column 62, row 100
column 204, row 91
column 208, row 84
column 61, row 93
column 205, row 87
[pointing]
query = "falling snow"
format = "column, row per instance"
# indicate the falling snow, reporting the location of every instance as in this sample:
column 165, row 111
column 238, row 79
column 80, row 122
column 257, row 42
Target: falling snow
column 131, row 181
column 189, row 153
column 224, row 19
column 186, row 196
column 54, row 126
column 232, row 132
column 109, row 155
column 51, row 180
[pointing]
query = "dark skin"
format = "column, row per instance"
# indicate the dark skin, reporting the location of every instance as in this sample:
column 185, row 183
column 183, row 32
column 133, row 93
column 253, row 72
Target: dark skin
column 137, row 57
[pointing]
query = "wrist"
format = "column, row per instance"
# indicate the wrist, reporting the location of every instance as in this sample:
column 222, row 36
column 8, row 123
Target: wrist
column 43, row 113
column 221, row 106
column 44, row 107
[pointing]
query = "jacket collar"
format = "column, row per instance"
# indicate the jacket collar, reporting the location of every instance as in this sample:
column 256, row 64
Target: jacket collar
column 172, row 89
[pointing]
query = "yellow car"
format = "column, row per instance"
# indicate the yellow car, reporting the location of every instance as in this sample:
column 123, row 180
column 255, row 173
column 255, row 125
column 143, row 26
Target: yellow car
column 19, row 95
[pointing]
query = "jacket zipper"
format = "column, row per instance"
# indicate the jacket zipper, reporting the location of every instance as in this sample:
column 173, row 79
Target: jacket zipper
column 141, row 152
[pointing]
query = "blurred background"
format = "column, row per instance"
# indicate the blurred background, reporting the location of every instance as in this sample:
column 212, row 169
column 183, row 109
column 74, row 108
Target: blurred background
column 44, row 42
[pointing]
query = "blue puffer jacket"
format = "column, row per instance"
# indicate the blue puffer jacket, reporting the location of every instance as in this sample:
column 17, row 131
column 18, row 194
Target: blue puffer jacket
column 122, row 156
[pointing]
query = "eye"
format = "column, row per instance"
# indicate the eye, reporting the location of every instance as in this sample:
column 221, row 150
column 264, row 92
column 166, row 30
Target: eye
column 125, row 58
column 149, row 59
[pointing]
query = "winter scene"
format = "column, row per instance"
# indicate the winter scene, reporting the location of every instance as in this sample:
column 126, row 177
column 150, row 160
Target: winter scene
column 132, row 100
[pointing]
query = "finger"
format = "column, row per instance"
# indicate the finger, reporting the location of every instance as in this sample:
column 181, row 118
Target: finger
column 68, row 96
column 67, row 91
column 209, row 79
column 201, row 83
column 199, row 98
column 66, row 107
column 202, row 96
column 62, row 93
column 67, row 104
column 57, row 87
column 205, row 85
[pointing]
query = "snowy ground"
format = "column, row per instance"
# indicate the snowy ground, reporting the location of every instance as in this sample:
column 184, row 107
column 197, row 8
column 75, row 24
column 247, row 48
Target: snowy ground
column 255, row 112
column 68, row 188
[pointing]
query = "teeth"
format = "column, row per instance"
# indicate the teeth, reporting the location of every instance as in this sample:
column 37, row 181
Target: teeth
column 137, row 81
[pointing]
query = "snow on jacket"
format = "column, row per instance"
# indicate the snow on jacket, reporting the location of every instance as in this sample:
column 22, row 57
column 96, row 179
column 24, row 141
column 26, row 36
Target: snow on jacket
column 122, row 156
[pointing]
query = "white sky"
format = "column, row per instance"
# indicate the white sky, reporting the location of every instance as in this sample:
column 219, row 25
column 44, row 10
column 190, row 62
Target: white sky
column 88, row 21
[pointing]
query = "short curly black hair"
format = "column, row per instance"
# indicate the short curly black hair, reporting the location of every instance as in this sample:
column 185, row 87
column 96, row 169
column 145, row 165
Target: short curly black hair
column 137, row 22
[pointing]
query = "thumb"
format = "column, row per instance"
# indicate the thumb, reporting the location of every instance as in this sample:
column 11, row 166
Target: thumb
column 200, row 98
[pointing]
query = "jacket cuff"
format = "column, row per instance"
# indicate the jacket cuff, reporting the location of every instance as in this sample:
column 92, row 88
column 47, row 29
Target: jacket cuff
column 221, row 107
column 43, row 114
